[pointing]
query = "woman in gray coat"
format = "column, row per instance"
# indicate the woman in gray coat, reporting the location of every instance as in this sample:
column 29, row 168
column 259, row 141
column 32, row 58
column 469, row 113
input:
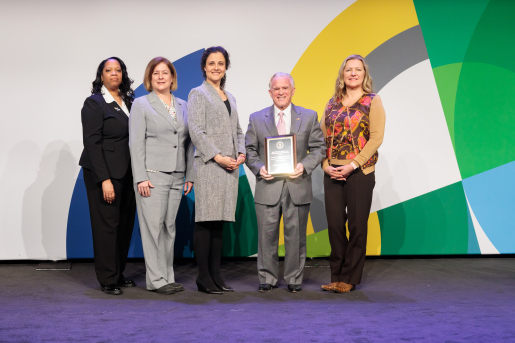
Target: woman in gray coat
column 220, row 149
column 162, row 163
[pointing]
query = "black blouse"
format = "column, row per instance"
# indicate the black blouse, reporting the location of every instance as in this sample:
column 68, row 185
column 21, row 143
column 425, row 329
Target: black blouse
column 228, row 105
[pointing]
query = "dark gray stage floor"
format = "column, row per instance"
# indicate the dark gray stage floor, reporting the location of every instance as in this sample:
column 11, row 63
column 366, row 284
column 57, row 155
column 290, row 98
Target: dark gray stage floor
column 427, row 300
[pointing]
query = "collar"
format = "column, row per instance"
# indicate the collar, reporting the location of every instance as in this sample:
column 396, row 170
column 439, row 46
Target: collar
column 107, row 96
column 109, row 99
column 287, row 111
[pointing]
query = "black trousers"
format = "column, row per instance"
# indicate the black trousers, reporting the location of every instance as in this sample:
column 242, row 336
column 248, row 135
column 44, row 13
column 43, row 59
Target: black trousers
column 350, row 201
column 208, row 246
column 111, row 224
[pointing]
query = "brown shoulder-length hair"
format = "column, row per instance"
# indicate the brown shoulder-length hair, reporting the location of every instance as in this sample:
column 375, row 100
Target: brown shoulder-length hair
column 340, row 89
column 147, row 78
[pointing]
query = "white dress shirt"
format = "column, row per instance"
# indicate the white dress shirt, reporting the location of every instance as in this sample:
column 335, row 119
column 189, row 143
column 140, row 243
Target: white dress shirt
column 109, row 99
column 286, row 117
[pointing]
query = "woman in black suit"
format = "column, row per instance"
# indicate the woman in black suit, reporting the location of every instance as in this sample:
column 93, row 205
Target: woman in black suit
column 107, row 172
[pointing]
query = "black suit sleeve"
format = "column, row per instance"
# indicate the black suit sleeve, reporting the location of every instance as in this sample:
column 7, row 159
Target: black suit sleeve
column 92, row 125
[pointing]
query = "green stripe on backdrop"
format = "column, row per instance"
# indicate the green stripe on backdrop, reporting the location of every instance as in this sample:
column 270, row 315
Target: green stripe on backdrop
column 240, row 237
column 433, row 223
column 447, row 27
column 476, row 98
column 447, row 78
column 317, row 245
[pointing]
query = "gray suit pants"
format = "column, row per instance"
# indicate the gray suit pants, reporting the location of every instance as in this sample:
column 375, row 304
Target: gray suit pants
column 157, row 226
column 295, row 224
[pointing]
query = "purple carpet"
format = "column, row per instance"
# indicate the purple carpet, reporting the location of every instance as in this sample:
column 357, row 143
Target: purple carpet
column 418, row 300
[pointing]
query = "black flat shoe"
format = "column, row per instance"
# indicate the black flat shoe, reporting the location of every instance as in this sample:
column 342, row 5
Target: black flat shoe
column 223, row 287
column 294, row 288
column 266, row 287
column 111, row 289
column 202, row 288
column 125, row 283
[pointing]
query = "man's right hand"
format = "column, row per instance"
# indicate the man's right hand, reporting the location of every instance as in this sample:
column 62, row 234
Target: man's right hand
column 264, row 174
column 144, row 188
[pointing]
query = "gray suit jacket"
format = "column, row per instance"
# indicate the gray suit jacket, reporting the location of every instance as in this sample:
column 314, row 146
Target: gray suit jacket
column 156, row 141
column 311, row 150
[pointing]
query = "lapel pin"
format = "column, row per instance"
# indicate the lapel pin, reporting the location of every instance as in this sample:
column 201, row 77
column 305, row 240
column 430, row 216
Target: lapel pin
column 116, row 108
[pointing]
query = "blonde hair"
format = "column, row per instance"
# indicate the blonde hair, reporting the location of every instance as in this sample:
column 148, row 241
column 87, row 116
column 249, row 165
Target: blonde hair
column 340, row 89
column 147, row 78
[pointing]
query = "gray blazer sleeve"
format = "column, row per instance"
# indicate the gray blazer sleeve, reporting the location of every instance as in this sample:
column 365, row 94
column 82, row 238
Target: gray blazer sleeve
column 316, row 145
column 190, row 154
column 253, row 161
column 137, row 130
column 197, row 126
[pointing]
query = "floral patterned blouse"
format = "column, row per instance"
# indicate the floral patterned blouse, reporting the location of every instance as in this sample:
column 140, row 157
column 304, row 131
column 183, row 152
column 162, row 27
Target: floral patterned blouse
column 170, row 109
column 347, row 130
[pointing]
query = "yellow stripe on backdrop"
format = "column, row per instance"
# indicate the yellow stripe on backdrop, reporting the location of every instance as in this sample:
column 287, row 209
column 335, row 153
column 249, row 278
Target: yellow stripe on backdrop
column 359, row 29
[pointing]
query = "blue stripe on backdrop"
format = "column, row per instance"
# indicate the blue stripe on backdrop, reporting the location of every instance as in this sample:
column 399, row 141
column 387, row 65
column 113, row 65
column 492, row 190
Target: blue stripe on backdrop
column 79, row 241
column 490, row 195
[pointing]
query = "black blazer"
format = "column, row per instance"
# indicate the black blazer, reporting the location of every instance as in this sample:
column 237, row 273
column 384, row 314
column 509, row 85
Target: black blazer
column 105, row 134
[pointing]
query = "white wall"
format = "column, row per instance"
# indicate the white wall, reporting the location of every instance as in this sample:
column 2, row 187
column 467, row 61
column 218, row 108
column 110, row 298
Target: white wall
column 49, row 54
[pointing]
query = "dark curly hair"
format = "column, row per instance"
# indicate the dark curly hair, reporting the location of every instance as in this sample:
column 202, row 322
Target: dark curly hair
column 126, row 91
column 210, row 51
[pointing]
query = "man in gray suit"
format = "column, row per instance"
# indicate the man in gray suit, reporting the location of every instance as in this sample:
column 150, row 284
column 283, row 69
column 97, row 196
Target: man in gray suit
column 290, row 196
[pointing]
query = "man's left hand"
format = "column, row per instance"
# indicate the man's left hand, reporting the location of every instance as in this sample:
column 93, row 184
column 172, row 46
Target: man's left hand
column 298, row 171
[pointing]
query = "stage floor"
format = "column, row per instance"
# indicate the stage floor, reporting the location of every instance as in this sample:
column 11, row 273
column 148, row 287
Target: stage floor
column 409, row 300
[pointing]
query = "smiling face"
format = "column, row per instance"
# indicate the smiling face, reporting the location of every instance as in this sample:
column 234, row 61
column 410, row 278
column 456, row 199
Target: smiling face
column 353, row 74
column 215, row 67
column 112, row 74
column 281, row 91
column 162, row 78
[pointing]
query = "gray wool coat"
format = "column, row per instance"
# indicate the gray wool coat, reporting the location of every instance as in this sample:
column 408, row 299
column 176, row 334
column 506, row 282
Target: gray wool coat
column 213, row 131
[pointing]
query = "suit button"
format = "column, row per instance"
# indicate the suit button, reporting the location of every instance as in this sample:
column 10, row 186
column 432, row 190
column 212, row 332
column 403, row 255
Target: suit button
column 175, row 146
column 175, row 132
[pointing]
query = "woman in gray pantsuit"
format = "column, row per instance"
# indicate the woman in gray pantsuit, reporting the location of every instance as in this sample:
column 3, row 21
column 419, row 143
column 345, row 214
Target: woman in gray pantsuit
column 162, row 163
column 220, row 149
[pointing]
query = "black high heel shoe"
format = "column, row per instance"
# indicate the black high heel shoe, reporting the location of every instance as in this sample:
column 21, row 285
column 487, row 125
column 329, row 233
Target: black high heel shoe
column 223, row 286
column 202, row 288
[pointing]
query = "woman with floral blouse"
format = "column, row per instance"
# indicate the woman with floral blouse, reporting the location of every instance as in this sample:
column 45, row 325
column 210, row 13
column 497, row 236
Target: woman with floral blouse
column 353, row 127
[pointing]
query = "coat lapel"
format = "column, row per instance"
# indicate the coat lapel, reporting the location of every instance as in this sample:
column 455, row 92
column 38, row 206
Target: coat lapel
column 270, row 122
column 159, row 108
column 114, row 107
column 220, row 106
column 178, row 108
column 296, row 120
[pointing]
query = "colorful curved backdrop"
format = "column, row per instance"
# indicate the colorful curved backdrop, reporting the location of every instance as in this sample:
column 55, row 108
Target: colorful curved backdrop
column 444, row 181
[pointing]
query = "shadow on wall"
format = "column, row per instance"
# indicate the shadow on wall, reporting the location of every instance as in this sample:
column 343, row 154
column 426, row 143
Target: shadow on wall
column 18, row 174
column 45, row 203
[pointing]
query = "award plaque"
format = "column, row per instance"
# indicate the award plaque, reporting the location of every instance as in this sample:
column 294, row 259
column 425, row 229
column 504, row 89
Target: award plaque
column 281, row 155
